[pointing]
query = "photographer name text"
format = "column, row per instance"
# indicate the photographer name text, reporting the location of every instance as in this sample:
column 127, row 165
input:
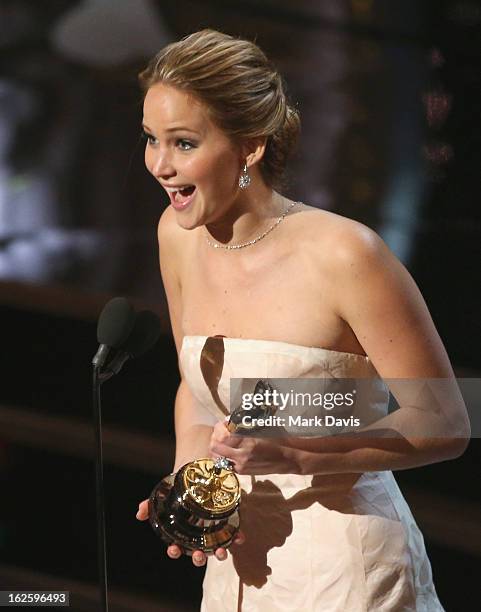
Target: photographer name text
column 299, row 421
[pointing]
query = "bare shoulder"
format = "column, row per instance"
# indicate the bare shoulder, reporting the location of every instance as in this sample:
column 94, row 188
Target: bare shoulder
column 373, row 292
column 340, row 242
column 169, row 231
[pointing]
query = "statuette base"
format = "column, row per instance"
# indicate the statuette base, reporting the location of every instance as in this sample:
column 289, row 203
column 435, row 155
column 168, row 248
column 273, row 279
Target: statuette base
column 179, row 514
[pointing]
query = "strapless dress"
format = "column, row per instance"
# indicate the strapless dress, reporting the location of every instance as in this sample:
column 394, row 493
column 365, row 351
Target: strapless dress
column 321, row 543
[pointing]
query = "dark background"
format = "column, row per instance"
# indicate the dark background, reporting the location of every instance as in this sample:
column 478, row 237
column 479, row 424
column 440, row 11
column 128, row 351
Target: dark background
column 389, row 95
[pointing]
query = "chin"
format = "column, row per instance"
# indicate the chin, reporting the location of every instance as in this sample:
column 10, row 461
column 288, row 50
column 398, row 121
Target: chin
column 188, row 222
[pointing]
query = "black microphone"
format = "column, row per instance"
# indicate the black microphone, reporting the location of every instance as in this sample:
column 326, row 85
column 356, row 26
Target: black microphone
column 114, row 327
column 144, row 334
column 130, row 335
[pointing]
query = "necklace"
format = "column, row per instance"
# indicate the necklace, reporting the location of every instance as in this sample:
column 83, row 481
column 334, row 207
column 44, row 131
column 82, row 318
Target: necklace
column 231, row 247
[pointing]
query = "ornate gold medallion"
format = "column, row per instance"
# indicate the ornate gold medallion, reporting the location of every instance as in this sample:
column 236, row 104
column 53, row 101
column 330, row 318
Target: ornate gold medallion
column 215, row 488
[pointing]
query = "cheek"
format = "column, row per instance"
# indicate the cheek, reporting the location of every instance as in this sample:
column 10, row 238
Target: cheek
column 222, row 171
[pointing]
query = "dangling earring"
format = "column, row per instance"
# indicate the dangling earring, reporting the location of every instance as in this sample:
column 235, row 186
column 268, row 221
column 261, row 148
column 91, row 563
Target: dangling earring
column 244, row 178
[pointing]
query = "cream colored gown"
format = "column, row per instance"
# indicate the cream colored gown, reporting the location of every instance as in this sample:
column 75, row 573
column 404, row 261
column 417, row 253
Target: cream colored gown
column 339, row 543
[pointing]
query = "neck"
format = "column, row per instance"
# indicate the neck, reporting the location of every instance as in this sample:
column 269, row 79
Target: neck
column 250, row 215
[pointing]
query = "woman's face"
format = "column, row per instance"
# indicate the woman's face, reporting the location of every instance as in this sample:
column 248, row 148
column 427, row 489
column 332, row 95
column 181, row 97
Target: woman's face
column 195, row 161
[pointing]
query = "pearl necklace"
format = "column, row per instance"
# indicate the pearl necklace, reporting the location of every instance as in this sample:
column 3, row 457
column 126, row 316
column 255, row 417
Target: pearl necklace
column 231, row 247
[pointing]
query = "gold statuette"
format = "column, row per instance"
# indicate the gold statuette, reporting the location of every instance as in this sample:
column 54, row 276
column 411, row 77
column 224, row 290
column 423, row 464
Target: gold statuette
column 198, row 506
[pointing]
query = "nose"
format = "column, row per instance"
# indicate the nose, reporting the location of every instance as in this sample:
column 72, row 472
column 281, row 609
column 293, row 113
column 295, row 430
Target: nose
column 161, row 166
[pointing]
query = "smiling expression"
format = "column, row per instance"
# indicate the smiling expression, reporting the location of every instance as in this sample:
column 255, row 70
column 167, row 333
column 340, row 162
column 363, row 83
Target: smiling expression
column 194, row 160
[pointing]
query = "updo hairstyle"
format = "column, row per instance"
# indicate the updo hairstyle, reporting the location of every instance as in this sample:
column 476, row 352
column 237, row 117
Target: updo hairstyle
column 241, row 89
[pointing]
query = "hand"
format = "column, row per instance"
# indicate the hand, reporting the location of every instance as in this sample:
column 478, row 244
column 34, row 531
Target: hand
column 174, row 551
column 251, row 455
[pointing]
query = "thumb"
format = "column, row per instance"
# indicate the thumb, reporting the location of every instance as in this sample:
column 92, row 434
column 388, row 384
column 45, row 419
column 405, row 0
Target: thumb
column 143, row 511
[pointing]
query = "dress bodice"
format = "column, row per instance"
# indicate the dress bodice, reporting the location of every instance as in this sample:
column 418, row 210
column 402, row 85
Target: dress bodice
column 214, row 366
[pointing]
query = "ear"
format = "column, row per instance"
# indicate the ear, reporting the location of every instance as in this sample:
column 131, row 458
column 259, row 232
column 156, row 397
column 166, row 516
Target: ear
column 253, row 150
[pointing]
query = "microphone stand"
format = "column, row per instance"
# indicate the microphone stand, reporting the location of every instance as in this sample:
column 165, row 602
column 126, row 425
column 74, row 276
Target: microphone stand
column 99, row 487
column 100, row 377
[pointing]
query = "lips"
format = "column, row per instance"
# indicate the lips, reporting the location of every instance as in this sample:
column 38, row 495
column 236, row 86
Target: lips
column 181, row 196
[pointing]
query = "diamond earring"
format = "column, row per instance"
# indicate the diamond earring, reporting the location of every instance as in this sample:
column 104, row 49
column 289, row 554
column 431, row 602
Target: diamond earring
column 244, row 178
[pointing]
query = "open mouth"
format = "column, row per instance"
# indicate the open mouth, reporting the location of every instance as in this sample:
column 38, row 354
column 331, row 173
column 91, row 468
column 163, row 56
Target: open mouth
column 180, row 195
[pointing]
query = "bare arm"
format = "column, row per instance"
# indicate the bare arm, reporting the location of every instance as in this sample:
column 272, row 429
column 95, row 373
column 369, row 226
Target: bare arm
column 193, row 427
column 379, row 300
column 192, row 438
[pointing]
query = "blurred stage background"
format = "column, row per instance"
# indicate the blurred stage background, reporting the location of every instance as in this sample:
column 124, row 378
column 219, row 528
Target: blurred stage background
column 389, row 94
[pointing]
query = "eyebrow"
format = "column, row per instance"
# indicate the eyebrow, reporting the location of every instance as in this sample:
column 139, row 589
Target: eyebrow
column 174, row 129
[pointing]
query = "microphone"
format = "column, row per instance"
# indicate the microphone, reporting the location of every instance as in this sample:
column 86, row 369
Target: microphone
column 115, row 324
column 130, row 335
column 145, row 333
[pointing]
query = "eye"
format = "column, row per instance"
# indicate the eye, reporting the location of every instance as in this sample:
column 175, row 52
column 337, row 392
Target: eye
column 148, row 137
column 185, row 145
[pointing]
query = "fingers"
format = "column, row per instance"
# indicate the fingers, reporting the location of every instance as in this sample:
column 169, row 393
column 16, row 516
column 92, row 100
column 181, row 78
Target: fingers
column 217, row 449
column 143, row 511
column 174, row 551
column 222, row 435
column 220, row 431
column 198, row 558
column 221, row 554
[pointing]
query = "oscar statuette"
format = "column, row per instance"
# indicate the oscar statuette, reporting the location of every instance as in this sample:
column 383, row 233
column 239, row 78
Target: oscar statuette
column 198, row 506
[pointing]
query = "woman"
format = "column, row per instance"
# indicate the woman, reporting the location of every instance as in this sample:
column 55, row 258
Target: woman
column 261, row 286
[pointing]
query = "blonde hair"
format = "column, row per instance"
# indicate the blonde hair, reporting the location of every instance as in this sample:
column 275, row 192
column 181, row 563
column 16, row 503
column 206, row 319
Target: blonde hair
column 239, row 86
